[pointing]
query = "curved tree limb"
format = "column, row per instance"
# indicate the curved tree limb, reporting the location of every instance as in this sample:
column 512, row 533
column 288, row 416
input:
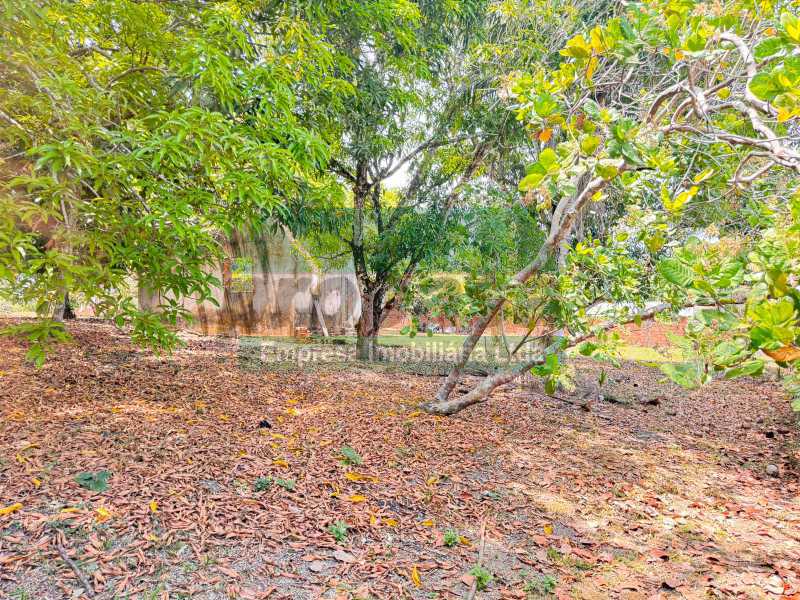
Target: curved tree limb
column 482, row 391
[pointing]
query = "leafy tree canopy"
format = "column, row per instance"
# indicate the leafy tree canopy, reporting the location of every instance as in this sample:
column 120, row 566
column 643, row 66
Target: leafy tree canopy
column 136, row 133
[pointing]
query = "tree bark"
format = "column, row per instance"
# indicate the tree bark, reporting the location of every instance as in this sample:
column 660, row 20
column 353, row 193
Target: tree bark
column 563, row 219
column 59, row 309
column 369, row 323
column 366, row 335
column 69, row 312
column 63, row 309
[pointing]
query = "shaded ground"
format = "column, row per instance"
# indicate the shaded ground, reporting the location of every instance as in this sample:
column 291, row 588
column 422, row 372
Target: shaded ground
column 634, row 500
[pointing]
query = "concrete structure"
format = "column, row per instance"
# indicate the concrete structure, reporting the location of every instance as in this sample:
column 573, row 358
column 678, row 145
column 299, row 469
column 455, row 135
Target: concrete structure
column 269, row 289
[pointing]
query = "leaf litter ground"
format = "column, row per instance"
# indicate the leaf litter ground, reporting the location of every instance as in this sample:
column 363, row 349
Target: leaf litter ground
column 661, row 493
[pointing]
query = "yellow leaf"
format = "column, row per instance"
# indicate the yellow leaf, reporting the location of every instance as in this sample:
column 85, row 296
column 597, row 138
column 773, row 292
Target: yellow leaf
column 464, row 541
column 153, row 506
column 703, row 175
column 292, row 412
column 291, row 402
column 591, row 68
column 784, row 114
column 433, row 479
column 548, row 529
column 37, row 483
column 416, row 413
column 428, row 523
column 373, row 520
column 151, row 537
column 390, row 522
column 224, row 418
column 279, row 462
column 415, row 578
column 103, row 514
column 242, row 453
column 357, row 498
column 276, row 436
column 545, row 135
column 724, row 93
column 353, row 476
column 676, row 203
column 335, row 493
column 71, row 509
column 10, row 509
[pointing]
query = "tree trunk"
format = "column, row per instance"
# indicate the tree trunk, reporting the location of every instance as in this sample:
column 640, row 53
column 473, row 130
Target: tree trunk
column 69, row 312
column 369, row 323
column 481, row 392
column 58, row 310
column 563, row 218
column 366, row 346
column 63, row 309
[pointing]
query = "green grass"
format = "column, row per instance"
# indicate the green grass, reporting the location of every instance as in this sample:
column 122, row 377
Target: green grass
column 452, row 342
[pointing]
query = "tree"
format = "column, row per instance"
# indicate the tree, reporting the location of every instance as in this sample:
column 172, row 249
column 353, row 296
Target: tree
column 689, row 112
column 139, row 132
column 426, row 103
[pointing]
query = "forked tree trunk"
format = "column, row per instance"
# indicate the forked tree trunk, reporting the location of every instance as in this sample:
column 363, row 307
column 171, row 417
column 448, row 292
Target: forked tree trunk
column 563, row 219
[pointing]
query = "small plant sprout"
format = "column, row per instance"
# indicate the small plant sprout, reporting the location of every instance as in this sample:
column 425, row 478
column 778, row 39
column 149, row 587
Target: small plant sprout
column 450, row 538
column 540, row 586
column 338, row 529
column 262, row 483
column 482, row 577
column 287, row 484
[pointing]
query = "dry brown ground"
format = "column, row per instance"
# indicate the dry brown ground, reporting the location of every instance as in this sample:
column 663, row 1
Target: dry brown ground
column 631, row 501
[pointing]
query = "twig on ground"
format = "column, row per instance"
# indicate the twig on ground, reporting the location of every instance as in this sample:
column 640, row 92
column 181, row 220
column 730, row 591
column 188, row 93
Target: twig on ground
column 78, row 573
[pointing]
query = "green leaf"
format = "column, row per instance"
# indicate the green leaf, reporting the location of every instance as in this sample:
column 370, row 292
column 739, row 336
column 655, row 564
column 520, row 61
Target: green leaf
column 688, row 375
column 675, row 272
column 763, row 87
column 696, row 43
column 589, row 144
column 577, row 47
column 350, row 456
column 768, row 47
column 97, row 482
column 531, row 182
column 607, row 169
column 548, row 158
column 791, row 26
column 749, row 368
